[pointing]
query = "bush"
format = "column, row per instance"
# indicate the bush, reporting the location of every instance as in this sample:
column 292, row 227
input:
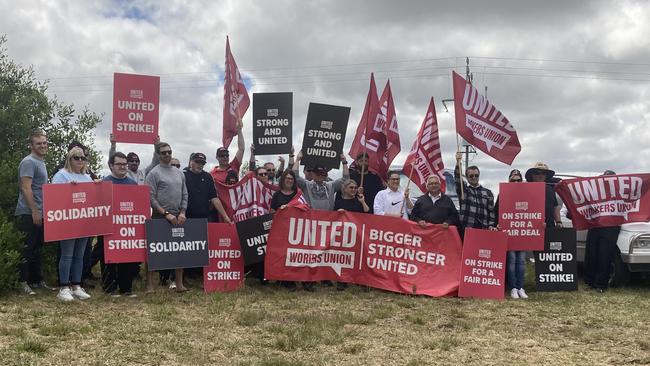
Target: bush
column 11, row 242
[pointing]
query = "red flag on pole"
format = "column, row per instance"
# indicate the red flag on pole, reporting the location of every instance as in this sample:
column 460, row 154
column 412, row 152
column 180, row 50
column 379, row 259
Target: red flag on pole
column 425, row 158
column 387, row 120
column 235, row 98
column 482, row 125
column 366, row 127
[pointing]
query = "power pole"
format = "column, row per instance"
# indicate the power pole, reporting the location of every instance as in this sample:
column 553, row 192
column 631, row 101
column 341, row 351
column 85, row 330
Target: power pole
column 468, row 149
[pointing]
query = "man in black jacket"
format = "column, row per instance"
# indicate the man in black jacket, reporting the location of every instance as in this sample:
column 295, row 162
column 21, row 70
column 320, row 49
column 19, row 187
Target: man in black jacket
column 434, row 207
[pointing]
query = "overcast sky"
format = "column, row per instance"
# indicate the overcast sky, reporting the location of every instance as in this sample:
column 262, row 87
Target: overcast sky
column 572, row 77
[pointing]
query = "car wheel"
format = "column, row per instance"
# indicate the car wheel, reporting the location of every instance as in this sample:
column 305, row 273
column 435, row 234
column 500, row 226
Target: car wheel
column 620, row 272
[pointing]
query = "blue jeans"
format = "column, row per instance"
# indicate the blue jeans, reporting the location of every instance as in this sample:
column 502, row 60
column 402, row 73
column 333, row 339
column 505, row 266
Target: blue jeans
column 516, row 269
column 72, row 260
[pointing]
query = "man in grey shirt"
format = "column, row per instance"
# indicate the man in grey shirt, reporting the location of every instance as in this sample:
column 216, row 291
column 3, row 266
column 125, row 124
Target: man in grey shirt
column 168, row 199
column 320, row 193
column 32, row 174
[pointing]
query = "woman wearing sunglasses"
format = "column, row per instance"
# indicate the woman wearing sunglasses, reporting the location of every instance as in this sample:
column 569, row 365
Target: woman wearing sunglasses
column 72, row 250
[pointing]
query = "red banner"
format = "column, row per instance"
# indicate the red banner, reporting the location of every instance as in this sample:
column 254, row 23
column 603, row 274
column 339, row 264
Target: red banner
column 482, row 125
column 425, row 158
column 135, row 108
column 363, row 140
column 77, row 210
column 387, row 123
column 378, row 251
column 484, row 264
column 247, row 198
column 226, row 269
column 235, row 98
column 131, row 207
column 521, row 214
column 606, row 200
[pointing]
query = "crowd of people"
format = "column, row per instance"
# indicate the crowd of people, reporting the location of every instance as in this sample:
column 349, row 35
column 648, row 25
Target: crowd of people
column 177, row 194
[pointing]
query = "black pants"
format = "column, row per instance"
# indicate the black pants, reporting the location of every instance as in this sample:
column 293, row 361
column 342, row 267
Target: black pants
column 31, row 269
column 599, row 252
column 116, row 276
column 91, row 257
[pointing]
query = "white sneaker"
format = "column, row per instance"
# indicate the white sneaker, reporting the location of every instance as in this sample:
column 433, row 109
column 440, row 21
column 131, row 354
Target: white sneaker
column 514, row 293
column 28, row 290
column 522, row 293
column 79, row 293
column 65, row 294
column 172, row 286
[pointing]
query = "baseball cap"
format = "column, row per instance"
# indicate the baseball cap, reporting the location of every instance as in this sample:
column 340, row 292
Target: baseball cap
column 199, row 157
column 221, row 151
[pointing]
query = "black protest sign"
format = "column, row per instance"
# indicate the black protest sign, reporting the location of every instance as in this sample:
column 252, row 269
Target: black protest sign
column 556, row 268
column 272, row 120
column 253, row 235
column 181, row 246
column 324, row 135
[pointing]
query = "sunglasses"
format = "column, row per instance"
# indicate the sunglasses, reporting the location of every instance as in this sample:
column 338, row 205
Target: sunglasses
column 78, row 158
column 225, row 155
column 261, row 174
column 353, row 187
column 200, row 162
column 473, row 176
column 134, row 161
column 166, row 152
column 176, row 165
column 515, row 181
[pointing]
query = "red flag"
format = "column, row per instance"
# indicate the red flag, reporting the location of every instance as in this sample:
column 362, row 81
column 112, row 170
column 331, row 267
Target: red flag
column 387, row 121
column 482, row 125
column 247, row 198
column 235, row 98
column 362, row 138
column 606, row 200
column 299, row 201
column 425, row 158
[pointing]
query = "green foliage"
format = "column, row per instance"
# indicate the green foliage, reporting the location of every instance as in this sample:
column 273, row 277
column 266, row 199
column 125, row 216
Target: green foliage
column 10, row 247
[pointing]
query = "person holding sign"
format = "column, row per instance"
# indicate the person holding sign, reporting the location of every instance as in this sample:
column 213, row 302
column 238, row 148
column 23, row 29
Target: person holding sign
column 320, row 193
column 369, row 183
column 476, row 202
column 134, row 172
column 434, row 207
column 392, row 201
column 168, row 201
column 72, row 250
column 273, row 174
column 220, row 171
column 541, row 173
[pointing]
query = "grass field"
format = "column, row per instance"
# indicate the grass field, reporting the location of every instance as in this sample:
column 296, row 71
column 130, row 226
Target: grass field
column 270, row 326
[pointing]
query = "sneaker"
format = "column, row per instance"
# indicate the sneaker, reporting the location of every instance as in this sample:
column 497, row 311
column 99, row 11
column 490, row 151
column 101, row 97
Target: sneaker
column 522, row 294
column 114, row 294
column 514, row 293
column 130, row 295
column 172, row 285
column 79, row 293
column 28, row 290
column 42, row 284
column 65, row 294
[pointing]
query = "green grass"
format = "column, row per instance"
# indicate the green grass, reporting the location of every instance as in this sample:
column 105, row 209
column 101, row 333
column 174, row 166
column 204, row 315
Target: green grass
column 270, row 326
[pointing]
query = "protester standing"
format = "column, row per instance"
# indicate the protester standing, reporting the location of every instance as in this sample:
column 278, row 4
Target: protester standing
column 476, row 202
column 279, row 201
column 434, row 207
column 72, row 250
column 134, row 172
column 392, row 201
column 319, row 193
column 168, row 200
column 223, row 167
column 372, row 183
column 541, row 173
column 32, row 174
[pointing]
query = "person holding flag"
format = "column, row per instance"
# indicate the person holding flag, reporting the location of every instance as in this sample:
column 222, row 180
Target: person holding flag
column 476, row 202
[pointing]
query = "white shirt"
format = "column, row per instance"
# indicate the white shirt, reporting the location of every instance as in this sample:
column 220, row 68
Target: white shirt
column 389, row 202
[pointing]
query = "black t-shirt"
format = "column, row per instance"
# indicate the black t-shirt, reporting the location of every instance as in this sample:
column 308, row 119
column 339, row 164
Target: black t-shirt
column 351, row 204
column 280, row 199
column 371, row 185
column 200, row 190
column 549, row 205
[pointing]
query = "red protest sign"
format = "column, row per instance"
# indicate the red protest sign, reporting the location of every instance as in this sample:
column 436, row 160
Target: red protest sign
column 482, row 124
column 226, row 269
column 131, row 207
column 77, row 210
column 606, row 200
column 378, row 251
column 484, row 264
column 521, row 214
column 135, row 108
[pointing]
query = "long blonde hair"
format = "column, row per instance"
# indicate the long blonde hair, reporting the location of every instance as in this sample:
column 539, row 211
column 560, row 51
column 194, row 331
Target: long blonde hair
column 75, row 151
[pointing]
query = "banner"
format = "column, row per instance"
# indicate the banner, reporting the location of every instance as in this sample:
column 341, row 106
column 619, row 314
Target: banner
column 225, row 272
column 425, row 159
column 131, row 208
column 235, row 98
column 77, row 210
column 135, row 108
column 521, row 214
column 378, row 251
column 363, row 141
column 253, row 236
column 387, row 126
column 482, row 125
column 324, row 135
column 606, row 200
column 247, row 198
column 484, row 264
column 556, row 268
column 177, row 246
column 272, row 121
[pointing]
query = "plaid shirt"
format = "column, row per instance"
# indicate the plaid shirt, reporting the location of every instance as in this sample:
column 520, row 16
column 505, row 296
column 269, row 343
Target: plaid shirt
column 477, row 207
